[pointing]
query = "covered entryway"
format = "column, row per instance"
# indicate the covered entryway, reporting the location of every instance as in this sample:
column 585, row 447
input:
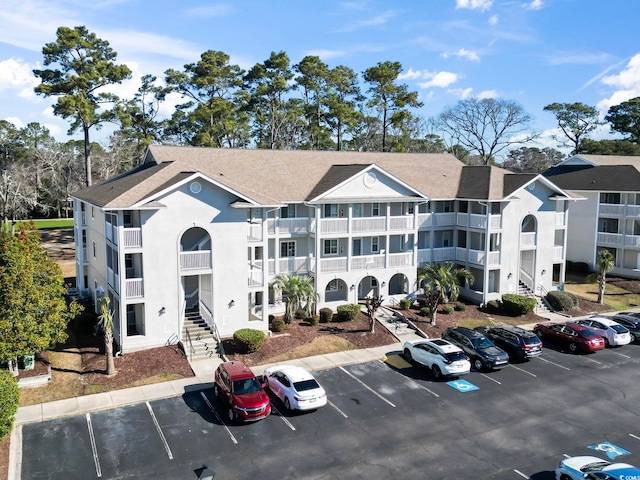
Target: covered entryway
column 336, row 290
column 368, row 288
column 399, row 284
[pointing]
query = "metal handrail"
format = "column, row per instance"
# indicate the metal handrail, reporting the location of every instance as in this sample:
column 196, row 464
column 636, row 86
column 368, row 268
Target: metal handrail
column 191, row 349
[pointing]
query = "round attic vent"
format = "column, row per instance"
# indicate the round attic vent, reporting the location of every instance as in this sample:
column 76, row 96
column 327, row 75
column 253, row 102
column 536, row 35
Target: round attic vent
column 531, row 186
column 369, row 179
column 195, row 187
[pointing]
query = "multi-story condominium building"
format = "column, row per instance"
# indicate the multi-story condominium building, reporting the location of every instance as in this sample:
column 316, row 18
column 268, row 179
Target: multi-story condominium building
column 211, row 228
column 609, row 216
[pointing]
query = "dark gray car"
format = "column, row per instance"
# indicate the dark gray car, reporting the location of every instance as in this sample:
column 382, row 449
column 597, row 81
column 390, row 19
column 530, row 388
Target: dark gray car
column 482, row 351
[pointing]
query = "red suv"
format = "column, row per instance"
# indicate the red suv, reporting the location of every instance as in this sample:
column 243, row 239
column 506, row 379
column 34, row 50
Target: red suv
column 237, row 386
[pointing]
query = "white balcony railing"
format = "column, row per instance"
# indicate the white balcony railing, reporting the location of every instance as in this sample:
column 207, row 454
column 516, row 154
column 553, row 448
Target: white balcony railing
column 443, row 254
column 404, row 259
column 610, row 238
column 633, row 210
column 632, row 240
column 447, row 219
column 424, row 256
column 293, row 225
column 561, row 219
column 401, row 223
column 495, row 222
column 256, row 277
column 527, row 239
column 558, row 252
column 334, row 225
column 134, row 288
column 368, row 224
column 293, row 265
column 493, row 259
column 367, row 262
column 333, row 265
column 196, row 260
column 254, row 233
column 425, row 220
column 611, row 209
column 132, row 237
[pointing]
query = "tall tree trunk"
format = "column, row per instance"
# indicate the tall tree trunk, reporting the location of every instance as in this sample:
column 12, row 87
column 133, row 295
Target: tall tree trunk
column 87, row 156
column 108, row 352
column 601, row 287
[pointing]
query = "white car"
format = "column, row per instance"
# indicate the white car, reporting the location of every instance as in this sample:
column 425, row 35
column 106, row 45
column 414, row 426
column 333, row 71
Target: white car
column 442, row 357
column 611, row 332
column 594, row 468
column 296, row 387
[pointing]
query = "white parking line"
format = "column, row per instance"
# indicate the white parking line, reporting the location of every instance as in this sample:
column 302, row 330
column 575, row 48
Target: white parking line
column 622, row 354
column 164, row 440
column 523, row 370
column 287, row 422
column 367, row 387
column 492, row 379
column 566, row 456
column 413, row 382
column 634, row 436
column 592, row 360
column 335, row 406
column 93, row 446
column 553, row 363
column 206, row 400
column 522, row 474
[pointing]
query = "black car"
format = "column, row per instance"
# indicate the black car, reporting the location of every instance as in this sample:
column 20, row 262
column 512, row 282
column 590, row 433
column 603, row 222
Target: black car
column 519, row 343
column 482, row 351
column 631, row 320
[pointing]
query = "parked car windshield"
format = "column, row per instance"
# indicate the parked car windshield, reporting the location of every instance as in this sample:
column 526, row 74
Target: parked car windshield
column 303, row 385
column 248, row 385
column 455, row 356
column 619, row 328
column 482, row 342
column 531, row 340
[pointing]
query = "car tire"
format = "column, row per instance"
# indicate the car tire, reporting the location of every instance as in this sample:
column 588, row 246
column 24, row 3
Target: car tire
column 565, row 477
column 232, row 414
column 634, row 339
column 407, row 355
column 573, row 346
column 478, row 364
column 287, row 403
column 606, row 342
column 437, row 373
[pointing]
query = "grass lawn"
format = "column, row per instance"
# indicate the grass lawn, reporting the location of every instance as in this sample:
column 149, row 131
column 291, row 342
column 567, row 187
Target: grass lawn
column 51, row 223
column 615, row 297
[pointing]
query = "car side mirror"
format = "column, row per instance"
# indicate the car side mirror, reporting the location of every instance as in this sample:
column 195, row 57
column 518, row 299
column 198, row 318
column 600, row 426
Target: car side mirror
column 263, row 380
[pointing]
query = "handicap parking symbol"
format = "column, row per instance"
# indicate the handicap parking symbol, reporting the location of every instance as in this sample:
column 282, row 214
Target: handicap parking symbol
column 612, row 451
column 462, row 385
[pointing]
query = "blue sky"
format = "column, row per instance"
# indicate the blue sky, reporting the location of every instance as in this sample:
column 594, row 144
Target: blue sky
column 532, row 51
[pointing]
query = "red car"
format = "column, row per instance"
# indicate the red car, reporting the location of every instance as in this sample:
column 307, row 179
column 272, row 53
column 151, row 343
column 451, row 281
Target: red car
column 576, row 336
column 237, row 386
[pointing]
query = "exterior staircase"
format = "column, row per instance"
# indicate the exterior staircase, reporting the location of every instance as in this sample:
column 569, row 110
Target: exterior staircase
column 203, row 342
column 541, row 306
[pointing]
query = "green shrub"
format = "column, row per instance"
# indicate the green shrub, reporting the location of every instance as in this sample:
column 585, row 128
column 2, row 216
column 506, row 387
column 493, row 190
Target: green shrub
column 492, row 306
column 460, row 307
column 9, row 401
column 562, row 301
column 301, row 314
column 313, row 320
column 249, row 340
column 425, row 311
column 277, row 325
column 348, row 312
column 447, row 309
column 326, row 315
column 422, row 302
column 405, row 304
column 517, row 305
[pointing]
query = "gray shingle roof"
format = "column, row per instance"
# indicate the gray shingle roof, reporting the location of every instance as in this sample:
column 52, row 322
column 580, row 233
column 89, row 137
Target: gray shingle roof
column 271, row 177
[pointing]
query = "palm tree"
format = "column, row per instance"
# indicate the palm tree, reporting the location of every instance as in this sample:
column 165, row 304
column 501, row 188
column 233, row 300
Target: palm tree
column 106, row 322
column 296, row 290
column 606, row 262
column 441, row 283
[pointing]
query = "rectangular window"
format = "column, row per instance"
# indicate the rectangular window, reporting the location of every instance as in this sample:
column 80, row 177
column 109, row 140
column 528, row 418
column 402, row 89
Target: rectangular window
column 610, row 198
column 357, row 210
column 331, row 246
column 331, row 210
column 375, row 244
column 92, row 213
column 333, row 285
column 375, row 209
column 288, row 212
column 287, row 249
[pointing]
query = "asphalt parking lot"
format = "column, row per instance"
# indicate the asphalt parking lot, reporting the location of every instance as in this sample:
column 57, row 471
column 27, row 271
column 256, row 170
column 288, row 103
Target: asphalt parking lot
column 385, row 420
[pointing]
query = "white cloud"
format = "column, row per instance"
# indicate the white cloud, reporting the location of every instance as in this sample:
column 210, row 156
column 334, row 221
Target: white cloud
column 626, row 83
column 474, row 4
column 534, row 5
column 326, row 54
column 463, row 93
column 208, row 11
column 586, row 58
column 15, row 121
column 15, row 73
column 433, row 79
column 463, row 53
column 488, row 94
column 370, row 22
column 493, row 20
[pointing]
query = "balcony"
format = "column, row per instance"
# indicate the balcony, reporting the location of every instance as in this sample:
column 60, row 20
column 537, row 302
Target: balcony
column 290, row 226
column 632, row 240
column 333, row 265
column 367, row 262
column 442, row 254
column 404, row 222
column 447, row 219
column 256, row 277
column 611, row 209
column 334, row 225
column 196, row 260
column 424, row 256
column 558, row 252
column 527, row 239
column 397, row 260
column 425, row 220
column 633, row 210
column 610, row 238
column 113, row 280
column 478, row 257
column 132, row 237
column 134, row 288
column 368, row 224
column 561, row 219
column 254, row 233
column 296, row 265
